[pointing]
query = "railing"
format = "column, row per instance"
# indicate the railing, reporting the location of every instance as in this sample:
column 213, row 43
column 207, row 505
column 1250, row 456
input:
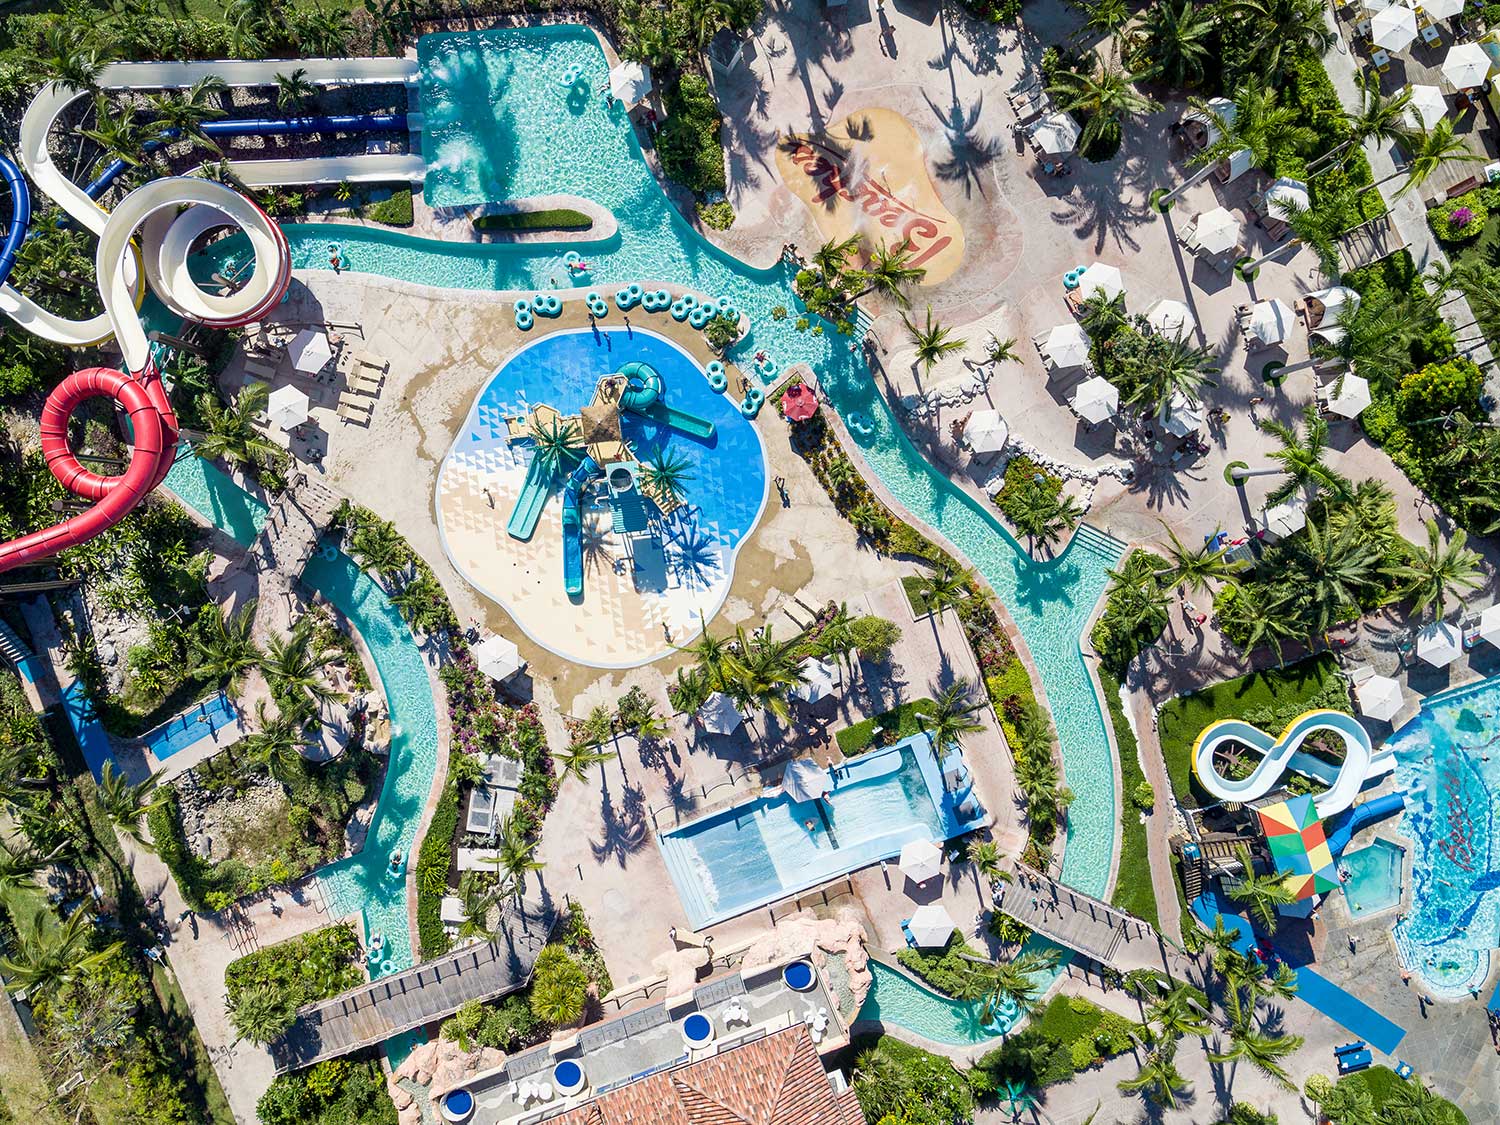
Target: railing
column 821, row 896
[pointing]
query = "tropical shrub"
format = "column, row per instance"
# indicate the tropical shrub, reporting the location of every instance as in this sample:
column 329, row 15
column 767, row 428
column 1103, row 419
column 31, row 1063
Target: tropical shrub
column 688, row 143
column 945, row 969
column 302, row 971
column 433, row 860
column 1462, row 218
column 719, row 216
column 1131, row 621
column 1439, row 388
column 918, row 1088
column 393, row 212
column 559, row 987
column 337, row 1090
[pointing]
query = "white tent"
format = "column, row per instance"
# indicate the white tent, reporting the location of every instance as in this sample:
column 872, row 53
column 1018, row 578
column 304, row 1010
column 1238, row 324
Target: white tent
column 310, row 351
column 1286, row 194
column 287, row 407
column 1181, row 416
column 1489, row 625
column 1219, row 231
column 1101, row 277
column 805, row 780
column 1394, row 27
column 1467, row 66
column 986, row 431
column 821, row 680
column 1427, row 108
column 1286, row 518
column 1440, row 644
column 630, row 82
column 1353, row 396
column 1380, row 698
column 1270, row 320
column 1096, row 399
column 497, row 657
column 1056, row 134
column 1067, row 345
column 921, row 860
column 931, row 926
column 1236, row 164
column 1171, row 318
column 719, row 715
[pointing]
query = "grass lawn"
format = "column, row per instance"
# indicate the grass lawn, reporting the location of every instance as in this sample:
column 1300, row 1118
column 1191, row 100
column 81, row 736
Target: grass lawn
column 1133, row 889
column 884, row 729
column 185, row 1034
column 24, row 1095
column 1268, row 699
column 558, row 218
column 1379, row 1081
column 913, row 584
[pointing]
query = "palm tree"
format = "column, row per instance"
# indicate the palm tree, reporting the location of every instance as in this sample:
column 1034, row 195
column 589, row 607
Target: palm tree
column 1262, row 1050
column 1300, row 460
column 1316, row 229
column 377, row 546
column 476, row 903
column 1159, row 1079
column 1177, row 35
column 18, row 866
column 278, row 743
column 1437, row 570
column 1429, row 150
column 1263, row 613
column 945, row 589
column 1375, row 341
column 1259, row 128
column 231, row 433
column 558, row 444
column 578, row 759
column 1261, row 893
column 761, row 670
column 1376, row 118
column 261, row 1012
column 418, row 600
column 889, row 272
column 1043, row 517
column 951, row 716
column 1106, row 96
column 997, row 350
column 831, row 257
column 222, row 646
column 1017, row 981
column 1176, row 1014
column 985, row 855
column 184, row 113
column 1196, row 567
column 932, row 342
column 293, row 90
column 1332, row 566
column 1104, row 17
column 1281, row 32
column 126, row 803
column 293, row 670
column 1173, row 368
column 512, row 858
column 49, row 955
column 119, row 134
column 67, row 56
column 668, row 473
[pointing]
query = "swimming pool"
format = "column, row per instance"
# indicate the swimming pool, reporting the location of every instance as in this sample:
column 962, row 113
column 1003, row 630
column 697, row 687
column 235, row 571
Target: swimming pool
column 1374, row 881
column 187, row 728
column 1446, row 762
column 754, row 853
column 896, row 998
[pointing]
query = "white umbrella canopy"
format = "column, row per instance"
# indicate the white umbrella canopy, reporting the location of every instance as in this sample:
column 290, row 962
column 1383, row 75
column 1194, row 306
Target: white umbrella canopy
column 498, row 658
column 931, row 926
column 1056, row 134
column 1171, row 318
column 1286, row 518
column 1466, row 66
column 1290, row 194
column 1440, row 644
column 1067, row 345
column 287, row 407
column 630, row 82
column 1096, row 399
column 719, row 715
column 1352, row 397
column 1380, row 698
column 1181, row 416
column 310, row 350
column 820, row 680
column 1377, row 5
column 921, row 860
column 1394, row 27
column 805, row 780
column 1101, row 277
column 986, row 431
column 1219, row 231
column 1270, row 321
column 1427, row 106
column 1440, row 9
column 1489, row 625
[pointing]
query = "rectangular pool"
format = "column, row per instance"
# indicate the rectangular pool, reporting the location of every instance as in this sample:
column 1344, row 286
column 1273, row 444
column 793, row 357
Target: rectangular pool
column 1374, row 881
column 754, row 853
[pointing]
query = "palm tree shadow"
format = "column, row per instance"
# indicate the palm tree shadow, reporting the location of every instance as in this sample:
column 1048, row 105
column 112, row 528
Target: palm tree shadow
column 624, row 828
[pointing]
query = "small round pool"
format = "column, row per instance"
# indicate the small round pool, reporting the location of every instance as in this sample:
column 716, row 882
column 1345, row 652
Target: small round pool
column 697, row 1030
column 798, row 976
column 457, row 1105
column 567, row 1076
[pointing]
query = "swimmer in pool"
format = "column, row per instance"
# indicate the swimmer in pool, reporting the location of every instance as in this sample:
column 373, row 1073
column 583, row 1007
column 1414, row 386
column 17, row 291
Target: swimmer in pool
column 809, row 825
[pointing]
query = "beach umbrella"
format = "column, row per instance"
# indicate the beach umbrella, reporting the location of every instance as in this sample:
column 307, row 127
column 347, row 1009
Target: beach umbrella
column 719, row 715
column 1270, row 320
column 1067, row 345
column 1101, row 277
column 1427, row 107
column 1466, row 66
column 1286, row 518
column 1440, row 9
column 287, row 407
column 1377, row 5
column 800, row 402
column 1380, row 698
column 1056, row 134
column 1440, row 644
column 1219, row 231
column 1489, row 625
column 1353, row 396
column 630, row 82
column 497, row 657
column 310, row 351
column 1394, row 27
column 820, row 680
column 805, row 780
column 921, row 860
column 1290, row 193
column 1181, row 416
column 1299, row 846
column 1171, row 318
column 931, row 926
column 986, row 431
column 1096, row 399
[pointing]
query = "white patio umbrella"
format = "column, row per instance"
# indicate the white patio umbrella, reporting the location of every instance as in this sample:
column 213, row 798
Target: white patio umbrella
column 1427, row 106
column 1290, row 193
column 1171, row 318
column 1440, row 9
column 1377, row 5
column 1096, row 399
column 1219, row 231
column 1489, row 625
column 287, row 407
column 1393, row 28
column 1056, row 134
column 1286, row 518
column 1380, row 698
column 310, row 350
column 497, row 657
column 719, row 715
column 1440, row 644
column 1270, row 320
column 1352, row 397
column 921, row 860
column 1067, row 345
column 805, row 780
column 931, row 926
column 1100, row 276
column 821, row 680
column 1466, row 66
column 1181, row 416
column 630, row 82
column 986, row 431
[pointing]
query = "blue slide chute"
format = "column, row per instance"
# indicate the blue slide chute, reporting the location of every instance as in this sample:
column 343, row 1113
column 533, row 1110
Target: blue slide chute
column 572, row 525
column 20, row 216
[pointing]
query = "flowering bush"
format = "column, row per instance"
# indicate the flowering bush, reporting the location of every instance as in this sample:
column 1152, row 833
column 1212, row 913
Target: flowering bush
column 1461, row 219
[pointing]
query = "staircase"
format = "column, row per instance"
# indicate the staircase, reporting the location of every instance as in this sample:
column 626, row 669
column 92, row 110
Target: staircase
column 1093, row 541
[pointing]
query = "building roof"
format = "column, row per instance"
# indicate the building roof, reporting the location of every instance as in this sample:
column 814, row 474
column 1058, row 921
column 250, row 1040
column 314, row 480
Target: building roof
column 774, row 1080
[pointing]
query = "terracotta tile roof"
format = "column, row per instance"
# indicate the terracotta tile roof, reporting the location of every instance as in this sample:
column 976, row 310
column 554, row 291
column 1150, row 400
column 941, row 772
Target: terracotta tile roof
column 778, row 1080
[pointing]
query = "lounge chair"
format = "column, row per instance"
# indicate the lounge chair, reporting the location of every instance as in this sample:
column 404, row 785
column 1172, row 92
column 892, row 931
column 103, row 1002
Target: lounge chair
column 364, row 383
column 368, row 359
column 906, row 929
column 350, row 409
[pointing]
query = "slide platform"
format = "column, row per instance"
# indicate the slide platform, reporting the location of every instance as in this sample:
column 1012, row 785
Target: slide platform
column 529, row 504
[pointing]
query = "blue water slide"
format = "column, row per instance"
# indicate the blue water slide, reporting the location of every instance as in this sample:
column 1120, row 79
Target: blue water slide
column 272, row 126
column 572, row 525
column 643, row 396
column 529, row 504
column 1341, row 829
column 20, row 216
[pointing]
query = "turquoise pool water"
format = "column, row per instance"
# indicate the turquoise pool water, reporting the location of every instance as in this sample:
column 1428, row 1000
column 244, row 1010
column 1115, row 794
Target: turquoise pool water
column 360, row 883
column 897, row 998
column 1448, row 761
column 1374, row 881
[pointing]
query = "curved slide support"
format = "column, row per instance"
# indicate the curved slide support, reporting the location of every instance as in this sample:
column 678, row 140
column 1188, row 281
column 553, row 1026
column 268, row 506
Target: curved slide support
column 572, row 526
column 643, row 396
column 1283, row 753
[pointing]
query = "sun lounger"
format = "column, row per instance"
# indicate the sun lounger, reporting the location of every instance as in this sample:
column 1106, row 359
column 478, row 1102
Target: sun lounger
column 364, row 383
column 368, row 359
column 351, row 409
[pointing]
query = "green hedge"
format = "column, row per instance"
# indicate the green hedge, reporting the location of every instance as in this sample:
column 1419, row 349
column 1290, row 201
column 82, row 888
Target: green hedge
column 688, row 143
column 554, row 218
column 1133, row 887
column 884, row 729
column 1069, row 1035
column 393, row 212
column 433, row 860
